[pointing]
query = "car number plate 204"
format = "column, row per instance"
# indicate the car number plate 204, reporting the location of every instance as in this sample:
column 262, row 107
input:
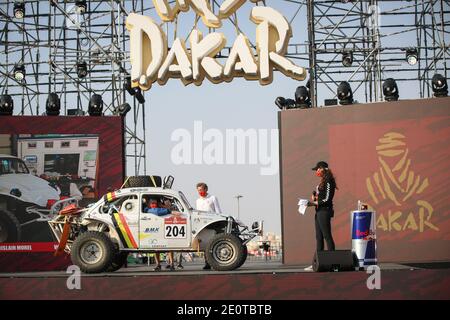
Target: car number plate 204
column 175, row 228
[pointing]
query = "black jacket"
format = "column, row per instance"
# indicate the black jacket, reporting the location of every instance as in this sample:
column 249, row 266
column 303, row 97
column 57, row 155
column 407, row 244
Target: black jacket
column 326, row 194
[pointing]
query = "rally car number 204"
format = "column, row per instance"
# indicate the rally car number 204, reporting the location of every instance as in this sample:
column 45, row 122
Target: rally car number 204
column 100, row 237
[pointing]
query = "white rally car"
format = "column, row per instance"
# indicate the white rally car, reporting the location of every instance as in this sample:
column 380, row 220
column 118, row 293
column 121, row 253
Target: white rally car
column 100, row 237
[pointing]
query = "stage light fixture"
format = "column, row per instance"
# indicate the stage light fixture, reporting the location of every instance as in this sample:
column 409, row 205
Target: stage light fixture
column 330, row 102
column 81, row 6
column 122, row 110
column 138, row 95
column 302, row 97
column 390, row 90
column 280, row 102
column 19, row 72
column 82, row 69
column 412, row 56
column 439, row 85
column 347, row 58
column 6, row 105
column 95, row 105
column 283, row 103
column 344, row 93
column 127, row 86
column 53, row 105
column 19, row 9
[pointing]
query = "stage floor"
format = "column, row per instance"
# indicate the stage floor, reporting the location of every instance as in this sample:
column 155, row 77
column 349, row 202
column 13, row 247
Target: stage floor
column 193, row 269
column 253, row 281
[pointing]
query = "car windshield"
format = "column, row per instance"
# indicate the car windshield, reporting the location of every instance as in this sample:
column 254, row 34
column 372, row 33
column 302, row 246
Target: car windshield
column 12, row 165
column 186, row 202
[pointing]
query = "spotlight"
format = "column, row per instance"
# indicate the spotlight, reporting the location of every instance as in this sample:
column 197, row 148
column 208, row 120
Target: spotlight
column 53, row 105
column 280, row 103
column 347, row 58
column 344, row 93
column 95, row 105
column 82, row 70
column 412, row 56
column 19, row 9
column 284, row 103
column 122, row 110
column 6, row 105
column 138, row 95
column 81, row 6
column 302, row 97
column 19, row 72
column 390, row 90
column 127, row 86
column 439, row 85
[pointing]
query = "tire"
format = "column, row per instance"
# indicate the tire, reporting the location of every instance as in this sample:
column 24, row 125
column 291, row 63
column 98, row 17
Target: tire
column 93, row 241
column 143, row 182
column 225, row 252
column 10, row 229
column 244, row 256
column 118, row 261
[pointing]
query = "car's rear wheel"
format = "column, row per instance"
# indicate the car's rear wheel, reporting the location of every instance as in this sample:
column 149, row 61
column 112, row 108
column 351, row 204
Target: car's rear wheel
column 10, row 229
column 118, row 261
column 92, row 252
column 225, row 252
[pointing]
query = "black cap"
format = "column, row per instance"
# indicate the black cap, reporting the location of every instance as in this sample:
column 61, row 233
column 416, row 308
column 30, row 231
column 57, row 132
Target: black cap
column 321, row 164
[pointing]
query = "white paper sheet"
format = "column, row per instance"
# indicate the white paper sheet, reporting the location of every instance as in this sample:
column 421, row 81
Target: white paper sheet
column 302, row 205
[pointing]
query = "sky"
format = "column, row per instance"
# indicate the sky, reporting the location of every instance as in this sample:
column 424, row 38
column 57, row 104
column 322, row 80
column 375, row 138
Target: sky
column 174, row 108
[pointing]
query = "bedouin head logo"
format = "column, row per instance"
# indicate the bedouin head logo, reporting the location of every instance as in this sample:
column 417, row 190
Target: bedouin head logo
column 151, row 61
column 396, row 181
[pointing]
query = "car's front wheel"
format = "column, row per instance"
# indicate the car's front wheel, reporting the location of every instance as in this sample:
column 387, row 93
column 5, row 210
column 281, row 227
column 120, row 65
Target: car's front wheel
column 10, row 229
column 225, row 252
column 93, row 252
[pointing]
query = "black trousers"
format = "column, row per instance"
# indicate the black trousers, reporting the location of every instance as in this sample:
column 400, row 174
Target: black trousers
column 323, row 229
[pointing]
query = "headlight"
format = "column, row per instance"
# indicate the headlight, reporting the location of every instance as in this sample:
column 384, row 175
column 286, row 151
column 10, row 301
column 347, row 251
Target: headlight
column 15, row 192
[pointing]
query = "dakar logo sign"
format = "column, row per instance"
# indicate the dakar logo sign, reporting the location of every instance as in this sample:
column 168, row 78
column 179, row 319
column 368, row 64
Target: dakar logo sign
column 397, row 182
column 151, row 61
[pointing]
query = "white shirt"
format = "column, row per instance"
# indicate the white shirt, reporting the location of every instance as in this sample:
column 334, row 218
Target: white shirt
column 208, row 203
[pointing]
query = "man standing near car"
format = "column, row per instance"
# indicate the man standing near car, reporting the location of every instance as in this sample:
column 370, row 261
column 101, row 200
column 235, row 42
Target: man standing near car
column 206, row 202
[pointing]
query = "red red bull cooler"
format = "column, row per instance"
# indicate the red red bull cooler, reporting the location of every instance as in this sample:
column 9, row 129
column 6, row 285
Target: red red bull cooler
column 364, row 242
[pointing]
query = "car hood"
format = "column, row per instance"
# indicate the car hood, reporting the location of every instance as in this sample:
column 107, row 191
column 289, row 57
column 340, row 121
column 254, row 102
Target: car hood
column 34, row 189
column 213, row 215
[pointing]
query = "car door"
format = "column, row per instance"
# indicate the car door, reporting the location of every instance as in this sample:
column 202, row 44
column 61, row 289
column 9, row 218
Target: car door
column 126, row 221
column 170, row 231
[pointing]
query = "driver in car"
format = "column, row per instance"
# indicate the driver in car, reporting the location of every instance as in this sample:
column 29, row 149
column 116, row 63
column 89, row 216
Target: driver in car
column 155, row 209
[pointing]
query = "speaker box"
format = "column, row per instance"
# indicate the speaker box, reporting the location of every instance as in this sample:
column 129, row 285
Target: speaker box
column 338, row 260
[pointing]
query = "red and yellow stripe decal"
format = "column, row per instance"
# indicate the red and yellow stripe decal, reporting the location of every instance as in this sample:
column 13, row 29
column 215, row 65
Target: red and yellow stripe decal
column 110, row 196
column 125, row 230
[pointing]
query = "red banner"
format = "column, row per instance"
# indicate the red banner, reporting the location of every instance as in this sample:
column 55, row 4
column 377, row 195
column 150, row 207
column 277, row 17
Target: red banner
column 29, row 247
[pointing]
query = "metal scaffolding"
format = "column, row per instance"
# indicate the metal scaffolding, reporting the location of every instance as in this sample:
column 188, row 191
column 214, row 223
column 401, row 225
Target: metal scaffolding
column 377, row 34
column 50, row 40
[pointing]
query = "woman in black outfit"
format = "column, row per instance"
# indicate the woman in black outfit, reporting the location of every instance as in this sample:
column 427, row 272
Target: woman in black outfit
column 323, row 200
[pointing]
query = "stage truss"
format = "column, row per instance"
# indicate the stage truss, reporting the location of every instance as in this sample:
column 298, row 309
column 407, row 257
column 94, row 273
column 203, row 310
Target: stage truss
column 54, row 36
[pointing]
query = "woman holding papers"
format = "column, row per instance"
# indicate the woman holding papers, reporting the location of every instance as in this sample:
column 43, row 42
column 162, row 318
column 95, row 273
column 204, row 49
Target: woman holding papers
column 322, row 199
